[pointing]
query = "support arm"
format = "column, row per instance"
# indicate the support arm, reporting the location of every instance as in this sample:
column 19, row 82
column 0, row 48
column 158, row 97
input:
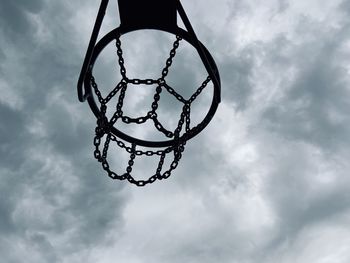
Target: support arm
column 85, row 68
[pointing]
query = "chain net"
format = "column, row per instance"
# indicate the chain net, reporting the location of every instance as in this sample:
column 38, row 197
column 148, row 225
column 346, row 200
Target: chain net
column 104, row 136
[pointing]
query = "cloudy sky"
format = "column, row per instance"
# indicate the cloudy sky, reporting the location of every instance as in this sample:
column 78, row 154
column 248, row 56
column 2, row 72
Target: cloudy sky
column 267, row 181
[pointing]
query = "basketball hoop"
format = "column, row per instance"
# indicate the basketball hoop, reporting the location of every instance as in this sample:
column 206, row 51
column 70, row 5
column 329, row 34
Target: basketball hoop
column 141, row 15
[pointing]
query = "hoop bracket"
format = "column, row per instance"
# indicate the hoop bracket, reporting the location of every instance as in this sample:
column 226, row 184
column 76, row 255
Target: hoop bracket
column 150, row 14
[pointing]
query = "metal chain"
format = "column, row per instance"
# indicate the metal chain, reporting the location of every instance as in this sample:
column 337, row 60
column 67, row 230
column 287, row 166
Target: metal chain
column 174, row 93
column 114, row 92
column 142, row 81
column 199, row 90
column 96, row 90
column 103, row 128
column 133, row 153
column 120, row 56
column 172, row 55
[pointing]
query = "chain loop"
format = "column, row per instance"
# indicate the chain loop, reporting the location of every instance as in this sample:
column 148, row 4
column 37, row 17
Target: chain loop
column 103, row 128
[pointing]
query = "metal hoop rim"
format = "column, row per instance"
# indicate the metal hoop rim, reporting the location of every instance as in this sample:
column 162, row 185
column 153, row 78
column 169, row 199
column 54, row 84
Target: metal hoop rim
column 109, row 37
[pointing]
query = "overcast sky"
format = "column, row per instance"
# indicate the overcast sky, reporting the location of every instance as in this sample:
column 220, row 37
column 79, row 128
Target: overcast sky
column 267, row 181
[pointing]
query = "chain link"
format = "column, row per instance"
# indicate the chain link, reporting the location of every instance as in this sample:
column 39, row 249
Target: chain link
column 172, row 55
column 103, row 128
column 96, row 90
column 133, row 153
column 200, row 89
column 114, row 92
column 174, row 93
column 120, row 58
column 142, row 81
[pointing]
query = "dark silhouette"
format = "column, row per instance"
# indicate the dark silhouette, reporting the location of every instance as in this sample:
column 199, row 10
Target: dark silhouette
column 138, row 15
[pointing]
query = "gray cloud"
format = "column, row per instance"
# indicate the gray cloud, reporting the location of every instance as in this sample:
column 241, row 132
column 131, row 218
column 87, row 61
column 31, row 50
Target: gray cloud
column 236, row 74
column 315, row 107
column 263, row 180
column 15, row 17
column 54, row 202
column 299, row 195
column 13, row 139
